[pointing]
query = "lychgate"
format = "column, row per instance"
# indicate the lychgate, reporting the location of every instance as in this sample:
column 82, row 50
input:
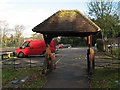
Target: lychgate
column 67, row 23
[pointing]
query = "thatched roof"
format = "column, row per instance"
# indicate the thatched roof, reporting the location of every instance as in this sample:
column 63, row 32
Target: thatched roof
column 67, row 23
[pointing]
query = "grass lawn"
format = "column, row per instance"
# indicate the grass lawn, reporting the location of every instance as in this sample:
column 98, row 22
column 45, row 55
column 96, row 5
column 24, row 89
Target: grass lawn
column 36, row 80
column 105, row 78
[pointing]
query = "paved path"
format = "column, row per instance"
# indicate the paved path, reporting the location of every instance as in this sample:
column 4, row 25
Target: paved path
column 71, row 70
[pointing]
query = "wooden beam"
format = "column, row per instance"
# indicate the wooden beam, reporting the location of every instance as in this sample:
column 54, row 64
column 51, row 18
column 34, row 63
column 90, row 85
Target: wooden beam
column 90, row 40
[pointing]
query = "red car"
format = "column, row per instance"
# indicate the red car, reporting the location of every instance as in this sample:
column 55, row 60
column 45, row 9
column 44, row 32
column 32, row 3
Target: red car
column 34, row 47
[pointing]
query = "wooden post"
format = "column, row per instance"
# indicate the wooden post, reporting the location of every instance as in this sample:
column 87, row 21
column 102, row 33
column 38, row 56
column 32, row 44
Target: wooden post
column 14, row 64
column 90, row 41
column 50, row 57
column 2, row 57
column 90, row 55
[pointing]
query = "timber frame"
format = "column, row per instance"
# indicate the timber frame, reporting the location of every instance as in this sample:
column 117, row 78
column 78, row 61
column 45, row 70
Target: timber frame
column 67, row 23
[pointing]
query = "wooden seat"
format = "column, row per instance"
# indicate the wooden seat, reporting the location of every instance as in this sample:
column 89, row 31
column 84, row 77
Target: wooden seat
column 2, row 55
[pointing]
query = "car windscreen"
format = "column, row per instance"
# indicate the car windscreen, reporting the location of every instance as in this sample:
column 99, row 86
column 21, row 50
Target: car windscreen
column 25, row 44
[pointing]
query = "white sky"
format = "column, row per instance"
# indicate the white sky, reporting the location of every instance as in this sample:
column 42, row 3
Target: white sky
column 32, row 12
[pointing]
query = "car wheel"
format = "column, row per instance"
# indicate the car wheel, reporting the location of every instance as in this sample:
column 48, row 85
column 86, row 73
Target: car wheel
column 21, row 55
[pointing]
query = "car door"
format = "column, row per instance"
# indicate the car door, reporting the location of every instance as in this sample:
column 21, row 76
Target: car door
column 27, row 49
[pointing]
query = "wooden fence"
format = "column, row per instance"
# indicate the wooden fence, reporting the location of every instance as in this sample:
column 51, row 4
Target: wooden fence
column 110, row 46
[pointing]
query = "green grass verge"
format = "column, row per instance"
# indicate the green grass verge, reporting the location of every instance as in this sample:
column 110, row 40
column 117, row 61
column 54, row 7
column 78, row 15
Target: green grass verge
column 36, row 80
column 105, row 78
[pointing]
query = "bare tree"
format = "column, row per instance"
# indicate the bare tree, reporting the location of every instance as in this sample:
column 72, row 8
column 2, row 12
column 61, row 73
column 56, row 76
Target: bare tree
column 4, row 32
column 18, row 35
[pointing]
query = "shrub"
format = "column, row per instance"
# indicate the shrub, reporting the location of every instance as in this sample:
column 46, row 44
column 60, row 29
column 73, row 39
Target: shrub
column 100, row 45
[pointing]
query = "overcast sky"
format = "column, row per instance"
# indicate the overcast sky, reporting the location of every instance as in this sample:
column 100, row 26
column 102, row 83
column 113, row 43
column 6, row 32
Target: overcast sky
column 32, row 12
